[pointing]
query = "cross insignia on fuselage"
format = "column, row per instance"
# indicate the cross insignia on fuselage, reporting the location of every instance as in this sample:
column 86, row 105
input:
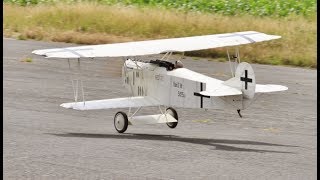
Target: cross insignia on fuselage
column 200, row 95
column 246, row 79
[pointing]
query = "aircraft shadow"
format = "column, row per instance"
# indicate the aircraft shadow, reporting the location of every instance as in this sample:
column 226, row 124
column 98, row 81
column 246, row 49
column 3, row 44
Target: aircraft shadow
column 219, row 144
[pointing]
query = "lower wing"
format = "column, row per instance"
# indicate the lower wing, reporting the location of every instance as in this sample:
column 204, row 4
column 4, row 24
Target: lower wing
column 138, row 101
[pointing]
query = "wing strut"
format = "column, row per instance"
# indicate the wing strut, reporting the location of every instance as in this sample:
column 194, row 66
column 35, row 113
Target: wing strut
column 230, row 63
column 75, row 83
column 236, row 61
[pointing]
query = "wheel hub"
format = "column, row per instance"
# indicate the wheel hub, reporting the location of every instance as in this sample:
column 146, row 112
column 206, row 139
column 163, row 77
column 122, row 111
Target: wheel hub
column 119, row 122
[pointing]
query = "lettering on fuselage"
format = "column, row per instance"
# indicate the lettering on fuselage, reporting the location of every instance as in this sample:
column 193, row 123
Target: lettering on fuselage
column 158, row 77
column 181, row 94
column 177, row 85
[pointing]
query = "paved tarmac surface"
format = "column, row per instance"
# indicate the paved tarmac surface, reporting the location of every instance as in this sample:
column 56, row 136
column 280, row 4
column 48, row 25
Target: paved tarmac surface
column 276, row 138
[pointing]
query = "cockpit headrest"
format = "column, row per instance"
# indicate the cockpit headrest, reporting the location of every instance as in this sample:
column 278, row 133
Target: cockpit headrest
column 178, row 64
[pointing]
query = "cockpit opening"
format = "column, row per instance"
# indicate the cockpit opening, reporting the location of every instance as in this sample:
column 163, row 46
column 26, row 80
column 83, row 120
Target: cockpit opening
column 168, row 65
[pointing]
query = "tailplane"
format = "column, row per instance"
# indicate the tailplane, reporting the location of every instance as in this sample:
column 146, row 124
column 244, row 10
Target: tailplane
column 245, row 82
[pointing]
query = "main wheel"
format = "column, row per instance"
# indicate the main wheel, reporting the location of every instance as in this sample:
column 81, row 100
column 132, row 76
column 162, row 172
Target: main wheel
column 174, row 114
column 121, row 122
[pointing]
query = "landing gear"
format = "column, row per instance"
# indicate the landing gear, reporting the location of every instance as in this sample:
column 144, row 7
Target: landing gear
column 174, row 114
column 121, row 122
column 239, row 113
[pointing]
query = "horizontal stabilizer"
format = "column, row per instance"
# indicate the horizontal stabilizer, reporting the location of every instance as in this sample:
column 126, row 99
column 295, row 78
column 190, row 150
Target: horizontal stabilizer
column 222, row 91
column 269, row 88
column 138, row 101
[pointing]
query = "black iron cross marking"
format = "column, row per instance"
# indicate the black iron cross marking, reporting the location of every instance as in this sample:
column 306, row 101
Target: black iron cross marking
column 241, row 35
column 73, row 51
column 246, row 79
column 201, row 96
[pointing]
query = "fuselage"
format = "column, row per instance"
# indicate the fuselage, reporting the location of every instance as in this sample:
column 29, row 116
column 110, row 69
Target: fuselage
column 172, row 87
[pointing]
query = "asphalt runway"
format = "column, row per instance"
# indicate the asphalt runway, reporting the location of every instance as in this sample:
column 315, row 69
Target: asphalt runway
column 275, row 139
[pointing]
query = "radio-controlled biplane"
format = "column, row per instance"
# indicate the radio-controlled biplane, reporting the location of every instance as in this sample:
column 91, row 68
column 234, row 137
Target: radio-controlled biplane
column 166, row 85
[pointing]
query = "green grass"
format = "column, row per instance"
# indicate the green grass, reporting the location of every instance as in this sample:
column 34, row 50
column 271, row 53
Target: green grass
column 27, row 60
column 93, row 23
column 279, row 8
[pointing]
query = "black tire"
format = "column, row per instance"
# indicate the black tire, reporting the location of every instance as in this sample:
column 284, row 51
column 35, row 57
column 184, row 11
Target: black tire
column 121, row 125
column 175, row 115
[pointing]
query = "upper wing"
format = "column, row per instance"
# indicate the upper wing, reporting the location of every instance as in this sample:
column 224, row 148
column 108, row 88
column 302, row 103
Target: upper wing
column 139, row 48
column 138, row 101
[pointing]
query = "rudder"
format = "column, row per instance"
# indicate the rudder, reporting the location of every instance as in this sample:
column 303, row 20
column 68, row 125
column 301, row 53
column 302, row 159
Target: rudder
column 244, row 81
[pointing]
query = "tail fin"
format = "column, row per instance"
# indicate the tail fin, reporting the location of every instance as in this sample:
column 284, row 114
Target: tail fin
column 244, row 80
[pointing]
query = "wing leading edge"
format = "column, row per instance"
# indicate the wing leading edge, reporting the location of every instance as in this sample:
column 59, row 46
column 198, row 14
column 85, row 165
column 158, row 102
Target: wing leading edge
column 150, row 47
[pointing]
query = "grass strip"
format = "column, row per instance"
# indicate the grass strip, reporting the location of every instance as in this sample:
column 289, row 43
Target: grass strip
column 93, row 23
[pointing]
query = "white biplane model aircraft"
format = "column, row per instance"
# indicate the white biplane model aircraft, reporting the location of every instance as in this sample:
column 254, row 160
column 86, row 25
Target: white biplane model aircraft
column 165, row 84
